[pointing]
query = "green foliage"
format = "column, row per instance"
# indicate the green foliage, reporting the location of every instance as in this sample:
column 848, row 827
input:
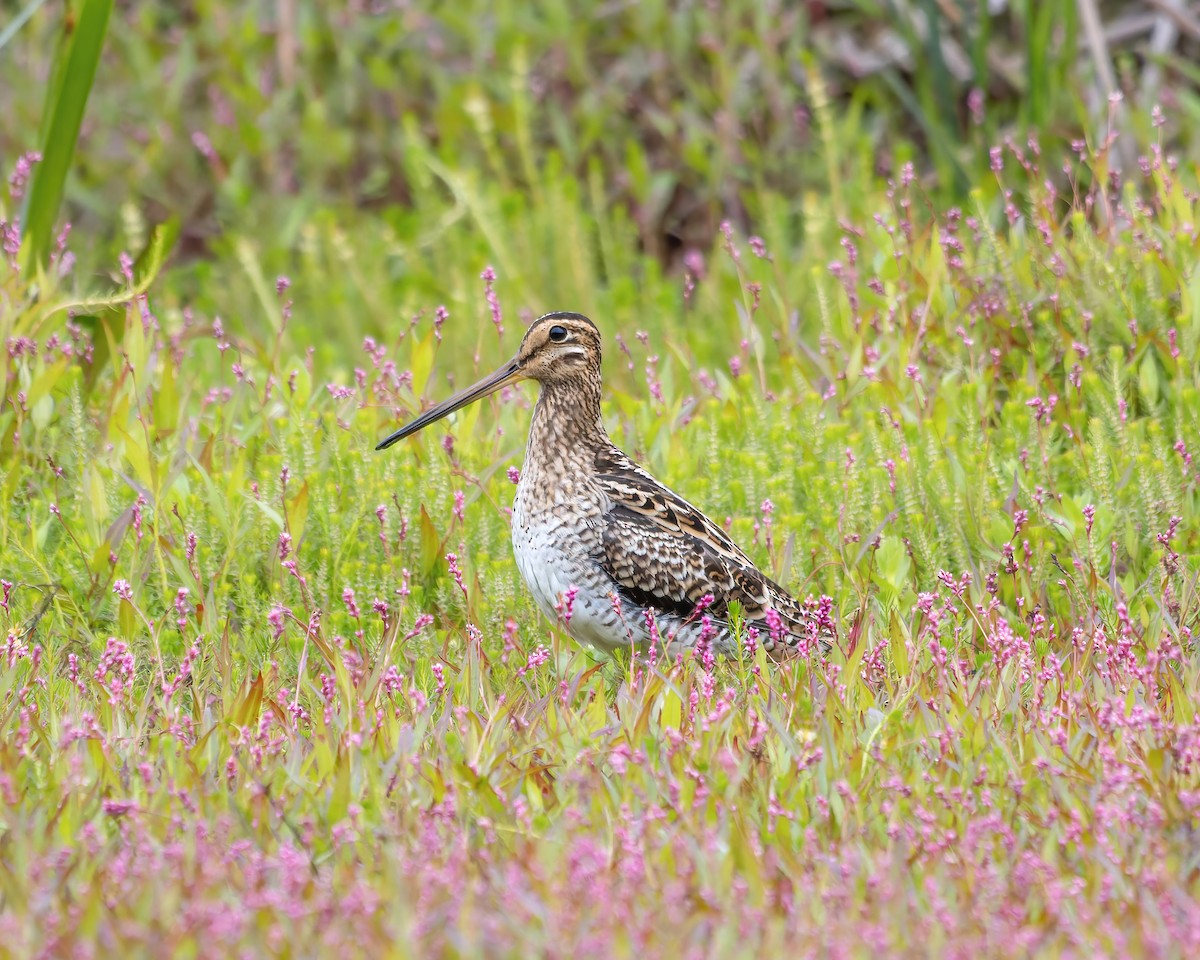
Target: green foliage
column 67, row 95
column 254, row 116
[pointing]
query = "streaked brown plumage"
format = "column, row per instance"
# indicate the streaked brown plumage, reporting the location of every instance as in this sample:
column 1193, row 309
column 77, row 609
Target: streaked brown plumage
column 588, row 519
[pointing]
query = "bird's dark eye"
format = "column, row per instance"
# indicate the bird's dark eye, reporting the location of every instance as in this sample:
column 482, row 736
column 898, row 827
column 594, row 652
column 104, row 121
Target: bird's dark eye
column 558, row 334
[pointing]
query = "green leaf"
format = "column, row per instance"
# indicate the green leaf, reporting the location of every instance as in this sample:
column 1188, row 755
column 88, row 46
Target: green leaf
column 82, row 54
column 672, row 710
column 1148, row 379
column 128, row 619
column 246, row 710
column 150, row 261
column 892, row 563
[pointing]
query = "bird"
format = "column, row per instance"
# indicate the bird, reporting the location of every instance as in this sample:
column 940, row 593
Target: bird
column 608, row 552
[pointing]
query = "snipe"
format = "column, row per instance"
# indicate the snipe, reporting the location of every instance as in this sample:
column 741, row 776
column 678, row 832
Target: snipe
column 586, row 517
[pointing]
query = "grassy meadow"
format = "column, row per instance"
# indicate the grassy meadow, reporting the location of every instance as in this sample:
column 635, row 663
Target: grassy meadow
column 267, row 692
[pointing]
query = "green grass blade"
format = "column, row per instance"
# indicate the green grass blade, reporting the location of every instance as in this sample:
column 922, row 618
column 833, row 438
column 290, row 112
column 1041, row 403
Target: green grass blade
column 18, row 22
column 943, row 83
column 58, row 148
column 1039, row 25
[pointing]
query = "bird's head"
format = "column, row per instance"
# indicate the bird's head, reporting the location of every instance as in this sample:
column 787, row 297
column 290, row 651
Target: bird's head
column 557, row 348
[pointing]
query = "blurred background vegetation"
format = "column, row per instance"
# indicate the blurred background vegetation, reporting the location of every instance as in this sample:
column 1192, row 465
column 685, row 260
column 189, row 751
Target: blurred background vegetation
column 257, row 115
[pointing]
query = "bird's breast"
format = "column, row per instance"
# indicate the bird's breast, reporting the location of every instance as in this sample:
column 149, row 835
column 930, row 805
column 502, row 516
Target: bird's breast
column 554, row 543
column 551, row 542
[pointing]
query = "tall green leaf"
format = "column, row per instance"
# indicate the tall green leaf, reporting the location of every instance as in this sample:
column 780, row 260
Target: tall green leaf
column 82, row 53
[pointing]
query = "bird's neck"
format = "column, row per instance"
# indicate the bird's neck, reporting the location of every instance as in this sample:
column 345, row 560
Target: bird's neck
column 567, row 419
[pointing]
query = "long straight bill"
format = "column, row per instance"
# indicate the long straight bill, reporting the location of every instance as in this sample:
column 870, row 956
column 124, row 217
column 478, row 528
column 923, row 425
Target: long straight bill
column 488, row 385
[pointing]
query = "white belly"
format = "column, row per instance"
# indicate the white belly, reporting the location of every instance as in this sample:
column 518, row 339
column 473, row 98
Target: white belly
column 552, row 559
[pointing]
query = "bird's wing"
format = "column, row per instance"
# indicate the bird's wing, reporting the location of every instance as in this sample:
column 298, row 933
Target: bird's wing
column 664, row 553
